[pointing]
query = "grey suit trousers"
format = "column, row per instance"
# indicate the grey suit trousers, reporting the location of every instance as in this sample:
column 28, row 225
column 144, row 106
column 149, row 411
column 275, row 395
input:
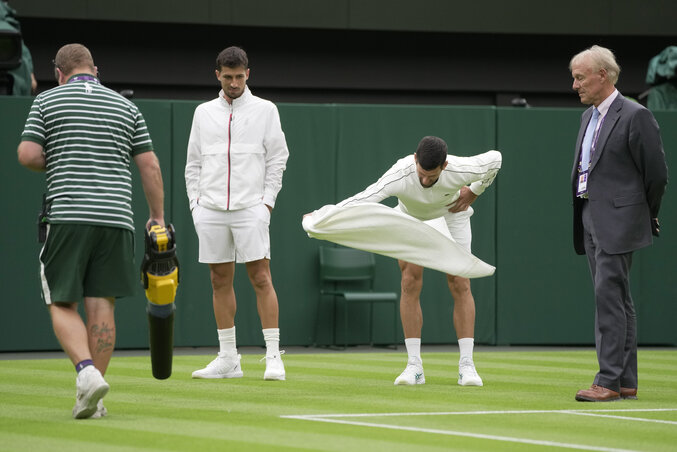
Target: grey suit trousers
column 615, row 319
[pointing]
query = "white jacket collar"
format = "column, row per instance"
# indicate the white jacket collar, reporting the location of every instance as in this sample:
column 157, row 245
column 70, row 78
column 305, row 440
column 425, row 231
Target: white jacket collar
column 240, row 100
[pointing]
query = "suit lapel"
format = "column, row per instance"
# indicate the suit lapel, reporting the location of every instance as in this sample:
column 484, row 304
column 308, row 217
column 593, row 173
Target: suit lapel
column 608, row 124
column 585, row 118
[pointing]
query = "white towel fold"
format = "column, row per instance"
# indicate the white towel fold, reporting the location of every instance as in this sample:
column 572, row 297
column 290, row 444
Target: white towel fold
column 380, row 229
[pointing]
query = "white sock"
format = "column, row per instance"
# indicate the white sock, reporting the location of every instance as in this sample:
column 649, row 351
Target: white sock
column 465, row 346
column 272, row 338
column 227, row 344
column 413, row 345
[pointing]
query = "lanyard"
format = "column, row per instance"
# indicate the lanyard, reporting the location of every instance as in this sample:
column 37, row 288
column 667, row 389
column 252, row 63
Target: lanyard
column 83, row 78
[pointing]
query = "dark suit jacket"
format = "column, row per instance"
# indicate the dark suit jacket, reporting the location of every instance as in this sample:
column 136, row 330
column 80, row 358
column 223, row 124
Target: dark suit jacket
column 627, row 178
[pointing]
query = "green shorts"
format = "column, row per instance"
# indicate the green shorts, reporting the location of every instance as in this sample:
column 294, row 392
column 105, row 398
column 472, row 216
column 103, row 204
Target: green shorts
column 80, row 260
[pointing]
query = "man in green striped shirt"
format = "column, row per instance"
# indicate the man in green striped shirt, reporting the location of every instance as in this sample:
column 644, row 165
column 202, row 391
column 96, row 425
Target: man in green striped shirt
column 84, row 137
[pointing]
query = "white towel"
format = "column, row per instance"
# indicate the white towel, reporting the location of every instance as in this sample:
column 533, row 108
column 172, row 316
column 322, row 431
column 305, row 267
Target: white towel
column 380, row 229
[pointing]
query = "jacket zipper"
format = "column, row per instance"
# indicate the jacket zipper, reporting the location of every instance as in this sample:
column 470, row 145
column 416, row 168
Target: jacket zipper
column 230, row 120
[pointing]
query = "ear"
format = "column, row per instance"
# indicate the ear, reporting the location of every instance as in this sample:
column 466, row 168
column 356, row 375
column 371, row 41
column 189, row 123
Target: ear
column 59, row 76
column 603, row 74
column 444, row 165
column 217, row 72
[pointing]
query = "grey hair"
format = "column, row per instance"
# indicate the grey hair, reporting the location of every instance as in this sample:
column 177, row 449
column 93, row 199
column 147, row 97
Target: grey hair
column 600, row 58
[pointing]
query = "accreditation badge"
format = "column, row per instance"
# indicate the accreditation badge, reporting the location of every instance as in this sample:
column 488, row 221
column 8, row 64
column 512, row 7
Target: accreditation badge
column 582, row 183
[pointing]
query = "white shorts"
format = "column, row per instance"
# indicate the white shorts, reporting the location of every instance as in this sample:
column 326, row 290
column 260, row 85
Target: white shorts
column 234, row 235
column 456, row 226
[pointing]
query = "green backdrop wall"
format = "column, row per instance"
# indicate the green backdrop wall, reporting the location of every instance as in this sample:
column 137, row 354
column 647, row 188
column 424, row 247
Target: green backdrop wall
column 540, row 294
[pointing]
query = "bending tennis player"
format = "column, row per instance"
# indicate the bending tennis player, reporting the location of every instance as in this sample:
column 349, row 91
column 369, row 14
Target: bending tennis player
column 439, row 189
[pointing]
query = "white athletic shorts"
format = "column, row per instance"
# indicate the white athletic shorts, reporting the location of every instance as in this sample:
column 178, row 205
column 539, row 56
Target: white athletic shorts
column 233, row 235
column 455, row 226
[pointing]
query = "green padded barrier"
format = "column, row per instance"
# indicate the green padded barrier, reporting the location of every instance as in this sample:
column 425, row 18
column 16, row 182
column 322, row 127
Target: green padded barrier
column 541, row 293
column 309, row 180
column 654, row 267
column 194, row 319
column 545, row 294
column 24, row 319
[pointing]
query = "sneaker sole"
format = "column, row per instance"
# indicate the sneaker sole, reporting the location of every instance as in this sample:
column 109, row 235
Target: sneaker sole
column 420, row 381
column 470, row 383
column 274, row 377
column 90, row 408
column 215, row 377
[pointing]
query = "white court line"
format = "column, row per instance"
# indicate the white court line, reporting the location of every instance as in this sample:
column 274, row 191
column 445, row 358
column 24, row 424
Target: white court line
column 334, row 418
column 627, row 418
column 451, row 413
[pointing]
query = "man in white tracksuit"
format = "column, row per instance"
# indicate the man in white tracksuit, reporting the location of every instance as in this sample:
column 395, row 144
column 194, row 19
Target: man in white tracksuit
column 431, row 185
column 236, row 156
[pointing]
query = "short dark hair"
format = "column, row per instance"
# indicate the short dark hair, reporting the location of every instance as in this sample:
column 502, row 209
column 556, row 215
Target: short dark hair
column 431, row 152
column 232, row 57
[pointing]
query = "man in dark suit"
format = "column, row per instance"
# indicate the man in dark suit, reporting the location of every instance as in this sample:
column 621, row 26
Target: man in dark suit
column 618, row 180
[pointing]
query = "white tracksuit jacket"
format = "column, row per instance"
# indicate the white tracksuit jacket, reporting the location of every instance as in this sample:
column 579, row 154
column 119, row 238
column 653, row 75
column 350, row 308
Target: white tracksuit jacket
column 236, row 153
column 401, row 181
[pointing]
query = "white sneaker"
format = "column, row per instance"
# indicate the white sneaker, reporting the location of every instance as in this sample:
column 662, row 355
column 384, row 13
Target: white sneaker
column 100, row 412
column 467, row 375
column 91, row 387
column 224, row 366
column 412, row 375
column 274, row 367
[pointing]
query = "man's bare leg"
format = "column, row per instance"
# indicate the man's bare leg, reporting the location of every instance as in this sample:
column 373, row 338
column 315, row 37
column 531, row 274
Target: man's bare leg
column 464, row 324
column 100, row 330
column 412, row 322
column 269, row 312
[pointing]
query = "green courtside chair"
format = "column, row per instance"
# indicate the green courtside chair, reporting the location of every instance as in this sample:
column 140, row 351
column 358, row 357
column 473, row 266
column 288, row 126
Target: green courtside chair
column 347, row 276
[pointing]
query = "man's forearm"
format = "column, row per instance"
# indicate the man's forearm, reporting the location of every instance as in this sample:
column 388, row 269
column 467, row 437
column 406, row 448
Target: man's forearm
column 151, row 179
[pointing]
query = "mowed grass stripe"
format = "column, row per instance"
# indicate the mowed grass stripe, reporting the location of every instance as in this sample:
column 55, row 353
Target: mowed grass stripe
column 583, row 429
column 36, row 397
column 220, row 432
column 13, row 442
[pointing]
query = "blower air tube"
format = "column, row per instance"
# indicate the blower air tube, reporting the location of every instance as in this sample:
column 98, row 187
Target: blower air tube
column 161, row 331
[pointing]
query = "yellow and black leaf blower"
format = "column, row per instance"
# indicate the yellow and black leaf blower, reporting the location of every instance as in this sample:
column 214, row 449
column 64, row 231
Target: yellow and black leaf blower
column 160, row 278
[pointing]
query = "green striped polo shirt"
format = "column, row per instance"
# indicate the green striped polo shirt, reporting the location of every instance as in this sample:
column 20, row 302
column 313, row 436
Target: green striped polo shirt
column 90, row 134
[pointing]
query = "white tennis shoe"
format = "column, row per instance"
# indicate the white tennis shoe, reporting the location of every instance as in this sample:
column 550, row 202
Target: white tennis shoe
column 224, row 366
column 467, row 375
column 100, row 412
column 274, row 367
column 412, row 375
column 90, row 388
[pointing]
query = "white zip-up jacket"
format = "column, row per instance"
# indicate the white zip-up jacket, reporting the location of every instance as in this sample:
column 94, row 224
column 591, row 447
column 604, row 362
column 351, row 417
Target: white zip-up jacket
column 402, row 181
column 236, row 153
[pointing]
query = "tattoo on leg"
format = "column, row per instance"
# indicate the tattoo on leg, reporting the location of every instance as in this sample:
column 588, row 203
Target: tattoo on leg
column 105, row 337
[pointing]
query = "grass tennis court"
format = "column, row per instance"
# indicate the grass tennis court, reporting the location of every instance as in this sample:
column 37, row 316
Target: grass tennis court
column 341, row 401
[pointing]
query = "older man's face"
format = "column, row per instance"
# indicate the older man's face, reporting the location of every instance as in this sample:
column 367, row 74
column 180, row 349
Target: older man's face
column 588, row 82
